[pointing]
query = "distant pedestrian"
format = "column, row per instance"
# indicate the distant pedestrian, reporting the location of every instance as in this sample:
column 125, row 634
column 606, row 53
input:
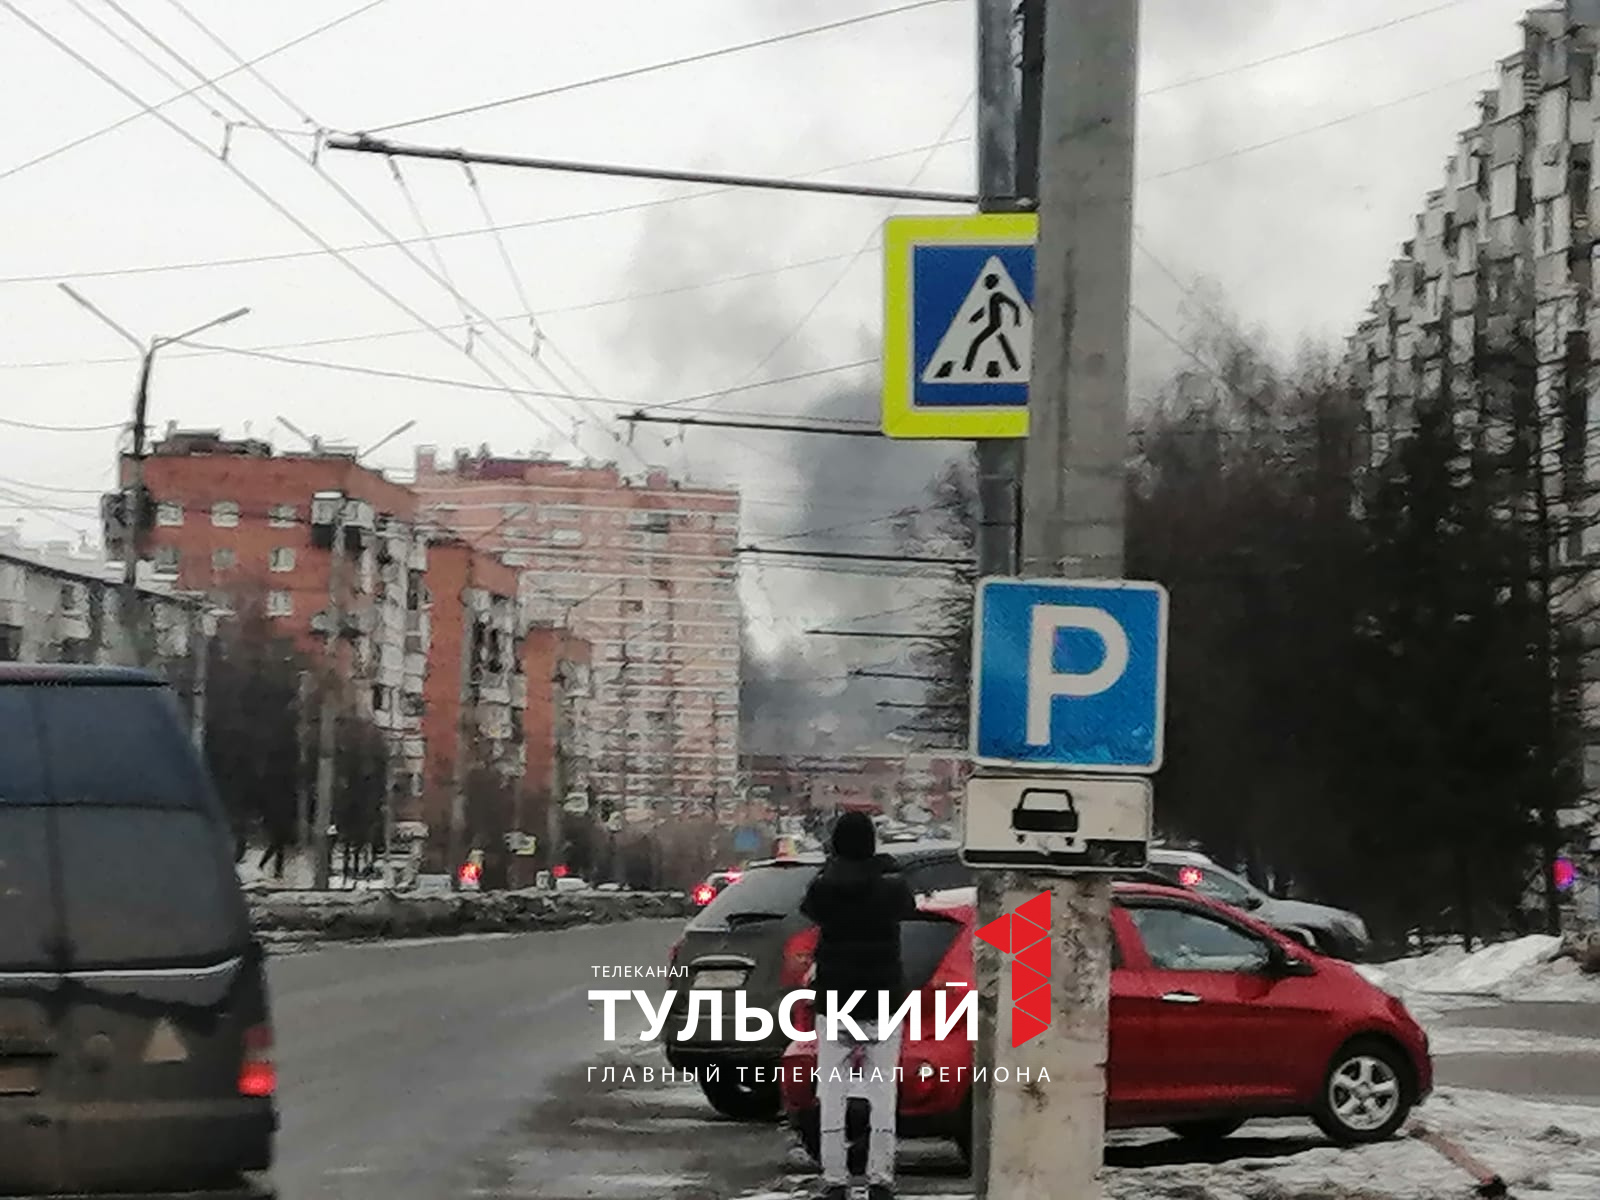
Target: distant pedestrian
column 858, row 902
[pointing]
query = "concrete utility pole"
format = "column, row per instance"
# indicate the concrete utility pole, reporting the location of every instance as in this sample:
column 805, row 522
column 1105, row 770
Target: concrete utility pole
column 328, row 717
column 466, row 729
column 999, row 475
column 200, row 631
column 134, row 504
column 1047, row 1141
column 302, row 743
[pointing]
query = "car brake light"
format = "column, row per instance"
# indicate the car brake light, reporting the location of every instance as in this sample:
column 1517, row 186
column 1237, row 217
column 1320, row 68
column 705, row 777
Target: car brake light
column 703, row 894
column 258, row 1075
column 1190, row 876
column 798, row 953
column 733, row 877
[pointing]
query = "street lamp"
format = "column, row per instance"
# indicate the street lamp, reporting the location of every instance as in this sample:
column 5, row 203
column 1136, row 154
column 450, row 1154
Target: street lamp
column 134, row 501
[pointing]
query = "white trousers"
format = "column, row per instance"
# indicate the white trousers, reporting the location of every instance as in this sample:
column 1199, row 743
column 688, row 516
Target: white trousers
column 876, row 1061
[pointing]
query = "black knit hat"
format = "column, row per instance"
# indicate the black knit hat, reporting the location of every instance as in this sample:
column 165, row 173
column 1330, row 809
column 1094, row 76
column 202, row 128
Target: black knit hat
column 854, row 836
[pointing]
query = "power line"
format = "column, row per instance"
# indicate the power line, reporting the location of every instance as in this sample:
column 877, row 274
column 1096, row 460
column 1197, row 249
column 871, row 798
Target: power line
column 1296, row 133
column 243, row 65
column 871, row 239
column 264, row 195
column 505, row 256
column 848, row 556
column 362, row 247
column 635, row 72
column 642, row 417
column 131, row 117
column 378, row 225
column 123, row 41
column 37, row 428
column 469, row 385
column 1299, row 50
column 50, row 487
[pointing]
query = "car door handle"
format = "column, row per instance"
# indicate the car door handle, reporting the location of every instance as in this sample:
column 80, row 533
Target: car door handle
column 1180, row 998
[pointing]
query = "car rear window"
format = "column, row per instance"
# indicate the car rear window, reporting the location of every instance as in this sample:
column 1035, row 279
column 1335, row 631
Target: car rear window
column 146, row 888
column 923, row 944
column 937, row 874
column 769, row 890
column 25, row 906
column 119, row 746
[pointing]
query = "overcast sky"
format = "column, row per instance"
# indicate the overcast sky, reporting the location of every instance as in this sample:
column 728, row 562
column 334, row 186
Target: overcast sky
column 1290, row 184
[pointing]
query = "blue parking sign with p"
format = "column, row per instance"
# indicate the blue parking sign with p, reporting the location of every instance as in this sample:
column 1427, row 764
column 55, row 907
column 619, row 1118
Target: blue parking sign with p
column 1069, row 673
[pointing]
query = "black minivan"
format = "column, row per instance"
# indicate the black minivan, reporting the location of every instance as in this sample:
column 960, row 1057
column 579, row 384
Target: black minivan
column 135, row 1040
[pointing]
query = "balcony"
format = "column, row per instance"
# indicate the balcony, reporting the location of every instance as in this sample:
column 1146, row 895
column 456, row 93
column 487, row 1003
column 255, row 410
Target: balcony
column 493, row 687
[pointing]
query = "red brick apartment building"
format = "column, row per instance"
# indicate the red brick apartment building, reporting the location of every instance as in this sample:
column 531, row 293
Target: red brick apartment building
column 781, row 785
column 434, row 644
column 645, row 572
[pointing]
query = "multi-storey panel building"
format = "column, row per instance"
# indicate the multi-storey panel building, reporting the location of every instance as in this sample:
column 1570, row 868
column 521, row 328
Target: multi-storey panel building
column 434, row 644
column 1489, row 309
column 645, row 572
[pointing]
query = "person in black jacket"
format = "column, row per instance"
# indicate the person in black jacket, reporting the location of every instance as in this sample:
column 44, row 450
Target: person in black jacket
column 857, row 901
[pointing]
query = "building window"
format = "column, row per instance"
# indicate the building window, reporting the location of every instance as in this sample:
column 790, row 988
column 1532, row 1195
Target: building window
column 1581, row 73
column 280, row 604
column 166, row 560
column 225, row 514
column 282, row 516
column 281, row 559
column 1503, row 191
column 10, row 643
column 223, row 558
column 380, row 699
column 169, row 513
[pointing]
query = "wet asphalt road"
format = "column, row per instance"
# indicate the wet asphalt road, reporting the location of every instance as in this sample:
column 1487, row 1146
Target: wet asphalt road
column 458, row 1068
column 1570, row 1074
column 407, row 1069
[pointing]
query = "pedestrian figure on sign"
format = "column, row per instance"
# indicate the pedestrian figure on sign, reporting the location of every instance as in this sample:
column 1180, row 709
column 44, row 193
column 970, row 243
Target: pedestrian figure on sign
column 992, row 313
column 858, row 902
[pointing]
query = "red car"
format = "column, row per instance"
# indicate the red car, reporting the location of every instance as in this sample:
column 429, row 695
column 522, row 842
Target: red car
column 1215, row 1019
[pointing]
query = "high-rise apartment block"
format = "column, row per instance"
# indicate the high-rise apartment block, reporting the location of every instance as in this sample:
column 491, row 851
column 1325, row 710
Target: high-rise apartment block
column 645, row 572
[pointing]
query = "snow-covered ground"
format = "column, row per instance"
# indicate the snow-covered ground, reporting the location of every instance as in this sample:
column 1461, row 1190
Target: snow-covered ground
column 1546, row 1150
column 1523, row 969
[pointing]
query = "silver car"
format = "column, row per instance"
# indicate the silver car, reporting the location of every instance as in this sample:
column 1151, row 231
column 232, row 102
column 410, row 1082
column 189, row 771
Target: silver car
column 1331, row 931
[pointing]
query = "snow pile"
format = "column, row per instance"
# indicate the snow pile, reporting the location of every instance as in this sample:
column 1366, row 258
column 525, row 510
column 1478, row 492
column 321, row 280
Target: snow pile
column 1498, row 970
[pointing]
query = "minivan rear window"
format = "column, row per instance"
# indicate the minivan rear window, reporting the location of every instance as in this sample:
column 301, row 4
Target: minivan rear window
column 147, row 887
column 25, row 906
column 21, row 773
column 119, row 746
column 768, row 890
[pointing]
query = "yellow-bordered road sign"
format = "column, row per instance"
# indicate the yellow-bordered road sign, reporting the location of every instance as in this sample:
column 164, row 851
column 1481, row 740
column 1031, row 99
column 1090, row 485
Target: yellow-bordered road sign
column 958, row 325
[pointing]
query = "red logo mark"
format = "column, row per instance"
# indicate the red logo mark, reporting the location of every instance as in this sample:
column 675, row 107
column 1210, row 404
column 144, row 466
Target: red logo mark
column 1025, row 935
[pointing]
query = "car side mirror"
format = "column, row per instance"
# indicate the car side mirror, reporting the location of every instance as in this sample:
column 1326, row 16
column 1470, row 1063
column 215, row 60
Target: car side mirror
column 1253, row 902
column 1281, row 964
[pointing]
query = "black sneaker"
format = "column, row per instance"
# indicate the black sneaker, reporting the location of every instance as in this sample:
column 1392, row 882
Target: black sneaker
column 880, row 1191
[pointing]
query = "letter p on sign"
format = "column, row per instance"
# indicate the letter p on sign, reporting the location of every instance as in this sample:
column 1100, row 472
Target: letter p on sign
column 1069, row 674
column 1045, row 683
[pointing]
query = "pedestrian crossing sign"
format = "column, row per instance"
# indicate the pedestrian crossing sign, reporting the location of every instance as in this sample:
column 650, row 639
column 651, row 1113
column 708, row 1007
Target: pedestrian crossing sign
column 958, row 325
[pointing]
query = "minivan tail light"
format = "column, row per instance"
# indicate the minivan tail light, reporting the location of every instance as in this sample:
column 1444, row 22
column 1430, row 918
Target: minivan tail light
column 258, row 1075
column 799, row 952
